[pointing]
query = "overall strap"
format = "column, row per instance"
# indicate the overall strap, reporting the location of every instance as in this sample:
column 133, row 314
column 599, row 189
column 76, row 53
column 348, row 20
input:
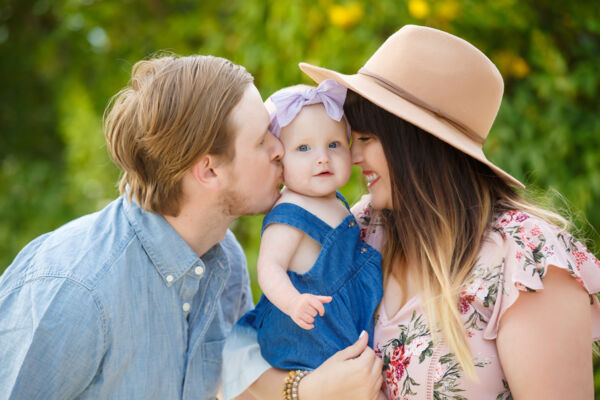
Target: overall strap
column 339, row 196
column 299, row 218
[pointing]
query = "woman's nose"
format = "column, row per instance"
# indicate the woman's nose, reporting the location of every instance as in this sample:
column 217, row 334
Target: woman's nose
column 356, row 154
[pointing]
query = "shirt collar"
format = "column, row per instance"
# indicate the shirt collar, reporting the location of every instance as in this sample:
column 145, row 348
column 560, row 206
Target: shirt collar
column 169, row 253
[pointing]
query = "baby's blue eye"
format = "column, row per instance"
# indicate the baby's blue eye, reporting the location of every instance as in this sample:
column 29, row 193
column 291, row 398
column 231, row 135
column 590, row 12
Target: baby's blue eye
column 303, row 147
column 333, row 145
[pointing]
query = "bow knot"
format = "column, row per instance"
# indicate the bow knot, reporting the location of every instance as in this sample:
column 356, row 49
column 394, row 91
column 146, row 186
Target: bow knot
column 289, row 102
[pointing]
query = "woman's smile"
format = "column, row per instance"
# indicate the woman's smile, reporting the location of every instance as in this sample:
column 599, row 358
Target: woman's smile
column 371, row 178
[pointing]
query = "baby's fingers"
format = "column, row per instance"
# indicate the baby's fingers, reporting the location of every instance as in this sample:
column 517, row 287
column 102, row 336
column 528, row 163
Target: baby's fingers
column 304, row 325
column 306, row 322
column 317, row 303
column 308, row 318
column 324, row 299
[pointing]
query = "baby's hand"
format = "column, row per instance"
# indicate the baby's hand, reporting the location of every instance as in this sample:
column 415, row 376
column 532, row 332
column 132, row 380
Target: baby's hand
column 305, row 308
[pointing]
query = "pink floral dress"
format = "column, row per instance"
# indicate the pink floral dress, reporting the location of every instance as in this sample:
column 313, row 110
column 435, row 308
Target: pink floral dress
column 514, row 258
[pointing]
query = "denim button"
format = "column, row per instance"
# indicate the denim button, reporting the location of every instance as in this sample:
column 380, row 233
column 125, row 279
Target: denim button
column 198, row 270
column 351, row 224
column 170, row 278
column 363, row 249
column 186, row 307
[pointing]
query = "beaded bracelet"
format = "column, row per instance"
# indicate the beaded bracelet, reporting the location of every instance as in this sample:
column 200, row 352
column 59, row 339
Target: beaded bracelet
column 290, row 386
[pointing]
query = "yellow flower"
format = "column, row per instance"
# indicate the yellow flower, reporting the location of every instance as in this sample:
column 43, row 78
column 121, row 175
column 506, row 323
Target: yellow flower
column 520, row 68
column 346, row 16
column 418, row 9
column 511, row 64
column 448, row 9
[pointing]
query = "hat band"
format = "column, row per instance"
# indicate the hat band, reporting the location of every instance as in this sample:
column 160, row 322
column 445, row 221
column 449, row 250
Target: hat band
column 415, row 100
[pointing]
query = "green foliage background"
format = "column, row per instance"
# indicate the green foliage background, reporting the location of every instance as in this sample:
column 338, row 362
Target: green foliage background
column 62, row 60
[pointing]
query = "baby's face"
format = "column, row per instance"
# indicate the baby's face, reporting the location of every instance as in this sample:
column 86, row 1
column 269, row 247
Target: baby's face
column 317, row 156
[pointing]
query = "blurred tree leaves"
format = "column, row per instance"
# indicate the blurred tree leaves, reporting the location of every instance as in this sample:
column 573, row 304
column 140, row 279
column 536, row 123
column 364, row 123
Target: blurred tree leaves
column 62, row 60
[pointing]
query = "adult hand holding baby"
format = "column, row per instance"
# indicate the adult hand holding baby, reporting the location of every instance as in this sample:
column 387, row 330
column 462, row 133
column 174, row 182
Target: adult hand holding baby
column 351, row 373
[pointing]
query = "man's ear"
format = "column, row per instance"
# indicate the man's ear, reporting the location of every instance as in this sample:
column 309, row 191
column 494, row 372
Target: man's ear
column 205, row 172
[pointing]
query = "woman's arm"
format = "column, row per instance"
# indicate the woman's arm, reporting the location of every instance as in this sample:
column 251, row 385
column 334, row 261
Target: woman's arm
column 544, row 341
column 352, row 373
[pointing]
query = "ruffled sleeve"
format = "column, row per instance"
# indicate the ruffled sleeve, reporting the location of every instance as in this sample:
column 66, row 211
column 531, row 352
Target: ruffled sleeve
column 369, row 221
column 529, row 246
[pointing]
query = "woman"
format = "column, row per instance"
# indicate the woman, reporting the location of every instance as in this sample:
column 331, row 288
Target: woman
column 465, row 258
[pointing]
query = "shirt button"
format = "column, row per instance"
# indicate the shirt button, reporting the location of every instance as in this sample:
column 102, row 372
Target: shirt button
column 363, row 249
column 170, row 278
column 351, row 224
column 186, row 307
column 198, row 270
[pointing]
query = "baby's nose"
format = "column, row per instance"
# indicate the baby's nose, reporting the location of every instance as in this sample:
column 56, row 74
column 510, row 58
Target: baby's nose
column 323, row 159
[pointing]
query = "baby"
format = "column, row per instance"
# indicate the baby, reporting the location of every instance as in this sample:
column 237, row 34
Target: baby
column 312, row 260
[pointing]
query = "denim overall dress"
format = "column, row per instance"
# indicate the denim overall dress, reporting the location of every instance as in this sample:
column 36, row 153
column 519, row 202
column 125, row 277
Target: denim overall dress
column 347, row 269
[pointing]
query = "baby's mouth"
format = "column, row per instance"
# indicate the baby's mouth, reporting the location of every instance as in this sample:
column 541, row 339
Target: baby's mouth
column 325, row 173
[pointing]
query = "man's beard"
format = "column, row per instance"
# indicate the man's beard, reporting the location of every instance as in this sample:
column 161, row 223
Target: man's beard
column 236, row 204
column 233, row 203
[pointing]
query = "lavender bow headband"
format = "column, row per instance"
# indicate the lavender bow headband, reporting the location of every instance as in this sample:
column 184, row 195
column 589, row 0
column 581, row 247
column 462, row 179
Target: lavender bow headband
column 289, row 102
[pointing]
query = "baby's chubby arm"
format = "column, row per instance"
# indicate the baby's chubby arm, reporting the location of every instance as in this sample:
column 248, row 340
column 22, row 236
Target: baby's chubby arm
column 278, row 244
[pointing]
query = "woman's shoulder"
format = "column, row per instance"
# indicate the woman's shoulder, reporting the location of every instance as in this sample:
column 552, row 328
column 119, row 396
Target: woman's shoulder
column 515, row 257
column 510, row 221
column 534, row 243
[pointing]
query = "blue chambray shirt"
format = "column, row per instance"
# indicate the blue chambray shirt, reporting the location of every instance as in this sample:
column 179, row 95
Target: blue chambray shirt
column 115, row 305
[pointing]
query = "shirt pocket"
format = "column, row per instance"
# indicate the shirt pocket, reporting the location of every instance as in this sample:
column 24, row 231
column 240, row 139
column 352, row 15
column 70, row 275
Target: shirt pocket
column 212, row 359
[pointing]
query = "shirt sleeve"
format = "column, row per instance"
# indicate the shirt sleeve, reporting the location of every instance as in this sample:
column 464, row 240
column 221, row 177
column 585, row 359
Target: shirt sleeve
column 246, row 301
column 238, row 297
column 531, row 245
column 242, row 361
column 51, row 339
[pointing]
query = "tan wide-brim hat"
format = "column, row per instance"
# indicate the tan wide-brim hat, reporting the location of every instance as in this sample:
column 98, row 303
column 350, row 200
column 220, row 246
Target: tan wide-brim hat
column 434, row 80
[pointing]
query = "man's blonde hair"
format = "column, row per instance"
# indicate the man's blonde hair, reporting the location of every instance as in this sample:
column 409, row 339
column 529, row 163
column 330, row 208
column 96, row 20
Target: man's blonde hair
column 174, row 110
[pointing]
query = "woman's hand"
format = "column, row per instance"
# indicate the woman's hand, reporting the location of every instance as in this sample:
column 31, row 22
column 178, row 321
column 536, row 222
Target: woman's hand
column 352, row 373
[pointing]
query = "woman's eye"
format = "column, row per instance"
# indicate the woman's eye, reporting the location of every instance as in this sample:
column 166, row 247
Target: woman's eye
column 333, row 145
column 363, row 138
column 303, row 147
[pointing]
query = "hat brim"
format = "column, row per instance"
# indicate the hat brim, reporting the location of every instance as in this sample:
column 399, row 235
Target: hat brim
column 416, row 115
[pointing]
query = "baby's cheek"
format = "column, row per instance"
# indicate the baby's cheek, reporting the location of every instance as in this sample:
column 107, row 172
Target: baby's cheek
column 290, row 176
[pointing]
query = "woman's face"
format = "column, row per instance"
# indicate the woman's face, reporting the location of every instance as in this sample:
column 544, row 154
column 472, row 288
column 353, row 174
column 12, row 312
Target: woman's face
column 367, row 153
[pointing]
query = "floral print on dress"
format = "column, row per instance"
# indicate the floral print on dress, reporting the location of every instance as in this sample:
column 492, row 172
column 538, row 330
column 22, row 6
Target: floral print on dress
column 414, row 344
column 483, row 286
column 414, row 341
column 368, row 220
column 447, row 378
column 505, row 394
column 538, row 242
column 515, row 255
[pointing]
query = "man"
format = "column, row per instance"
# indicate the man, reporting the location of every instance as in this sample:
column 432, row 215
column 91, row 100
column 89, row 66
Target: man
column 134, row 301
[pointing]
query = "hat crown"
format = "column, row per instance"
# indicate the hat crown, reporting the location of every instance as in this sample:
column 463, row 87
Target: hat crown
column 447, row 74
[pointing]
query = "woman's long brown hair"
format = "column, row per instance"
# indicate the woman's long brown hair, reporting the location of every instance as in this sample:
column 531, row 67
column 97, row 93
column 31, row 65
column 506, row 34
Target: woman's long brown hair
column 443, row 201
